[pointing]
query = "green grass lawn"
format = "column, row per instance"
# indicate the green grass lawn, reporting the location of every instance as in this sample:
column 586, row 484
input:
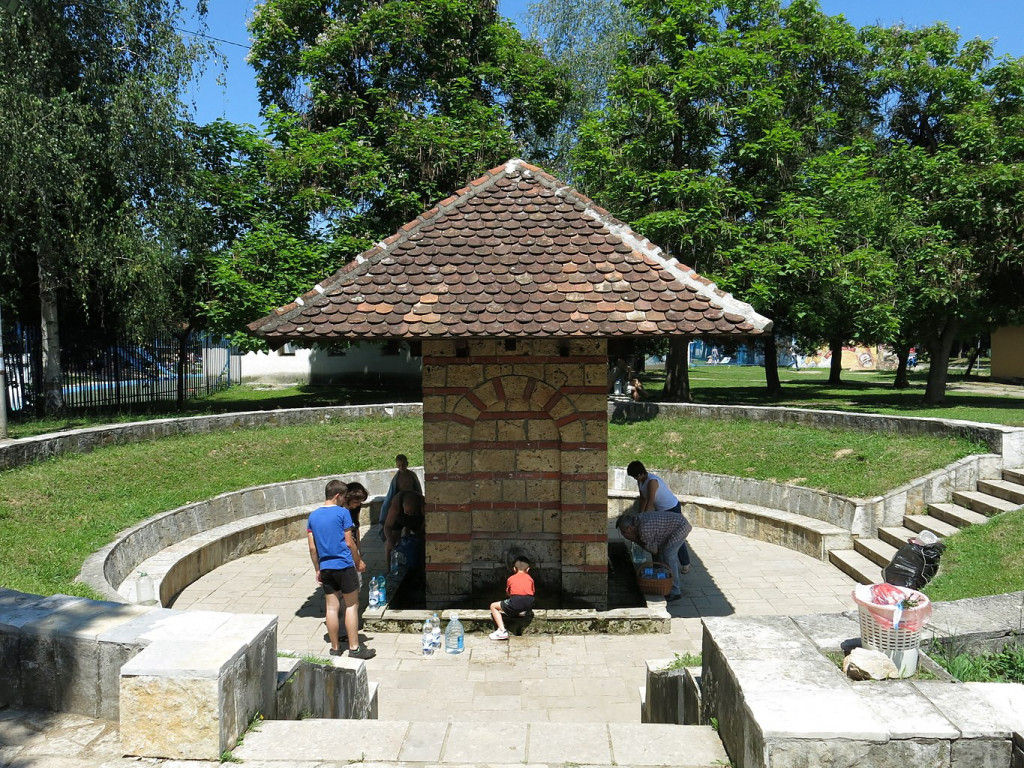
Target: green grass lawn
column 244, row 397
column 848, row 462
column 982, row 560
column 55, row 513
column 865, row 392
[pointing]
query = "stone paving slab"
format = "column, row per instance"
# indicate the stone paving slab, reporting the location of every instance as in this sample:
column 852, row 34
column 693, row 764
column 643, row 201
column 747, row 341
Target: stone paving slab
column 486, row 743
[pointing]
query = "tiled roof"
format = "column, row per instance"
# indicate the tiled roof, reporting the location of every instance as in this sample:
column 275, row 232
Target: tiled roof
column 515, row 253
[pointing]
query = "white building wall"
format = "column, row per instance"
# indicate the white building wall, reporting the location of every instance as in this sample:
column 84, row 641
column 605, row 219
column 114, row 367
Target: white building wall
column 360, row 362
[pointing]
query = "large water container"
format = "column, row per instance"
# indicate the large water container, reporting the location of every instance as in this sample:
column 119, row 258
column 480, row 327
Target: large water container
column 454, row 636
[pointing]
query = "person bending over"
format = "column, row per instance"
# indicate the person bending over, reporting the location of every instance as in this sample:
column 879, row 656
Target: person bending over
column 661, row 534
column 655, row 496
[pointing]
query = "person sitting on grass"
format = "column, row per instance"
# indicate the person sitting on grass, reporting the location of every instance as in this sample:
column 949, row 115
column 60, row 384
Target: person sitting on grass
column 520, row 590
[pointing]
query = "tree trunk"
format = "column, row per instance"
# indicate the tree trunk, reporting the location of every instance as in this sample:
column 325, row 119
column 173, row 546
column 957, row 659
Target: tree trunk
column 771, row 366
column 677, row 371
column 973, row 358
column 940, row 345
column 902, row 381
column 835, row 370
column 49, row 342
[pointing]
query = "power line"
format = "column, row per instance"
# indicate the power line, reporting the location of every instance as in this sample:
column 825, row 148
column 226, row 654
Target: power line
column 211, row 37
column 15, row 3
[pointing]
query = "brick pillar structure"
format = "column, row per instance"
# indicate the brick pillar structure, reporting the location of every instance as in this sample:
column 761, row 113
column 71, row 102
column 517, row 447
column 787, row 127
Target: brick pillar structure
column 515, row 444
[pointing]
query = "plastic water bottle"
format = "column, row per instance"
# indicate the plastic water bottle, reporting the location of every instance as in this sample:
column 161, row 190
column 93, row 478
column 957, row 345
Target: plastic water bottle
column 382, row 590
column 428, row 638
column 394, row 561
column 435, row 639
column 374, row 593
column 454, row 636
column 146, row 590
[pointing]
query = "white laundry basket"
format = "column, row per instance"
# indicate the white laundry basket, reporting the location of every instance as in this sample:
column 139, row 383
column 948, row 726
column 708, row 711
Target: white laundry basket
column 902, row 643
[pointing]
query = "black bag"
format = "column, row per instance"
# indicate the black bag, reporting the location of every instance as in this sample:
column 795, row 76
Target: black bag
column 913, row 565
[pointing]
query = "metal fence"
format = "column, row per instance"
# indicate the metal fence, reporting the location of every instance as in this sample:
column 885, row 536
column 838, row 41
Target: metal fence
column 116, row 374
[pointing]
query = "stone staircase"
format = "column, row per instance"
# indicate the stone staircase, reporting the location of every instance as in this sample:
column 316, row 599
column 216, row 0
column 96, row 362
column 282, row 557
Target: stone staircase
column 864, row 562
column 479, row 741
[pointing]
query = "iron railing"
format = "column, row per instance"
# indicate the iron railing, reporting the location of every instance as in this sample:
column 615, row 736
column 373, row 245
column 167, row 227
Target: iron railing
column 118, row 373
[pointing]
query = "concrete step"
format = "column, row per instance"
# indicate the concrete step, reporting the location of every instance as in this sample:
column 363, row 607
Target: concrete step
column 856, row 566
column 918, row 523
column 983, row 502
column 955, row 515
column 484, row 741
column 1014, row 475
column 896, row 536
column 875, row 550
column 1004, row 489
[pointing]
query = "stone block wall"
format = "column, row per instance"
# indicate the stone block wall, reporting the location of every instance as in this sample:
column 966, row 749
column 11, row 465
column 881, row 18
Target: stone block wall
column 515, row 460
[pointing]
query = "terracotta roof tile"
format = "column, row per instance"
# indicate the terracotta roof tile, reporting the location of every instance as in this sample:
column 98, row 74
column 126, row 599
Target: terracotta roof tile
column 513, row 253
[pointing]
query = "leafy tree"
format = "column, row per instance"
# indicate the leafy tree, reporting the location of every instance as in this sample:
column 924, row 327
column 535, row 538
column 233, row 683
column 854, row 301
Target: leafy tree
column 954, row 168
column 256, row 239
column 583, row 37
column 713, row 111
column 422, row 96
column 94, row 142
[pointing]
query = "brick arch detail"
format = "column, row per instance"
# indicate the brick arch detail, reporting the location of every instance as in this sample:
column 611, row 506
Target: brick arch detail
column 515, row 460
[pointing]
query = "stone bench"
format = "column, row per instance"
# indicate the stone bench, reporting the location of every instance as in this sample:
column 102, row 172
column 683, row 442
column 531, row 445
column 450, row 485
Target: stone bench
column 178, row 546
column 781, row 703
column 183, row 685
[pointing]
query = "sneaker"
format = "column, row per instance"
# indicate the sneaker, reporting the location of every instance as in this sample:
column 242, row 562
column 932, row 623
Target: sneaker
column 684, row 569
column 499, row 634
column 362, row 652
column 337, row 651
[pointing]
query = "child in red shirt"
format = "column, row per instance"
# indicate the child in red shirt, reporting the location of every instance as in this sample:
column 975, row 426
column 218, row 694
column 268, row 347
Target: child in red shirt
column 520, row 591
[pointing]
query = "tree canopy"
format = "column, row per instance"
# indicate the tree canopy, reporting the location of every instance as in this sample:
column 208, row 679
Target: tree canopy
column 850, row 184
column 95, row 147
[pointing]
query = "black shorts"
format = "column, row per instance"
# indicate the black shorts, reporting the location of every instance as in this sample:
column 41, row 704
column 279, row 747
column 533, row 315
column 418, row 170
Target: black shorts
column 516, row 605
column 344, row 580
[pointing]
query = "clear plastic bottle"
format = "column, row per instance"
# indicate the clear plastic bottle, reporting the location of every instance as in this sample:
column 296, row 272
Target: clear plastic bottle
column 146, row 590
column 454, row 635
column 382, row 590
column 374, row 599
column 428, row 638
column 435, row 639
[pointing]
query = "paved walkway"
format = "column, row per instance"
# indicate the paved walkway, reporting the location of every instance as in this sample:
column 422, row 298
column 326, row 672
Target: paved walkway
column 533, row 678
column 530, row 679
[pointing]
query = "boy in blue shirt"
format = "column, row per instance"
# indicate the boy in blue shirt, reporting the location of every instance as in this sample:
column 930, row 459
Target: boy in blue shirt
column 334, row 550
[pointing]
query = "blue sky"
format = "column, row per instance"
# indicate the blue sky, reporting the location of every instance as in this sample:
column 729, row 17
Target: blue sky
column 236, row 99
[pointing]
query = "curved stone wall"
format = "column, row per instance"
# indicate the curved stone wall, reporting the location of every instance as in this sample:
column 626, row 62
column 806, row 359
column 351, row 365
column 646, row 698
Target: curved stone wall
column 239, row 523
column 1008, row 442
column 31, row 449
